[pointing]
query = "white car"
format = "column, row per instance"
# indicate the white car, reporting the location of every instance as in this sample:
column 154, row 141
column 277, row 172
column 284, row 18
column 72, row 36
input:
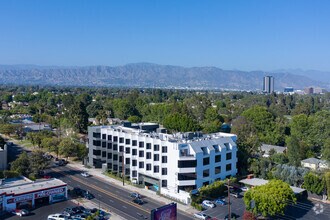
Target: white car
column 85, row 174
column 201, row 215
column 244, row 189
column 208, row 204
column 21, row 212
column 57, row 217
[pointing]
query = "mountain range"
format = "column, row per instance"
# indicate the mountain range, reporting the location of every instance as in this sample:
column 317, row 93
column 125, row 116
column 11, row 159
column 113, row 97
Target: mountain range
column 148, row 75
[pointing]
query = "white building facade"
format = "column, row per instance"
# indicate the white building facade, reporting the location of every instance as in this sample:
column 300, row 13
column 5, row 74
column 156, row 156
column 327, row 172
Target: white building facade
column 171, row 163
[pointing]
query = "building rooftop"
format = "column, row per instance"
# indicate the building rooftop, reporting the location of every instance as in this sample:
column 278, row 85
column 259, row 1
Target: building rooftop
column 267, row 147
column 20, row 186
column 153, row 132
column 259, row 182
column 312, row 161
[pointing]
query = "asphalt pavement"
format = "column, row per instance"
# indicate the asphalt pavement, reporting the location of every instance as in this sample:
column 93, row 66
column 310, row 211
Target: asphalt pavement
column 116, row 198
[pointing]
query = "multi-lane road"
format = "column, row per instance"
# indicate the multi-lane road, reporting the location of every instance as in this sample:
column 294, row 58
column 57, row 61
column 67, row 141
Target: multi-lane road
column 116, row 198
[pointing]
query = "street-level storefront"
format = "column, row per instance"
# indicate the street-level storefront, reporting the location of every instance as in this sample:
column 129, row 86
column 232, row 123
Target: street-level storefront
column 32, row 194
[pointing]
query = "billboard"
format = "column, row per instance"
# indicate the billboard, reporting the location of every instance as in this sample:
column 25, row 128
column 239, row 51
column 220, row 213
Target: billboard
column 166, row 212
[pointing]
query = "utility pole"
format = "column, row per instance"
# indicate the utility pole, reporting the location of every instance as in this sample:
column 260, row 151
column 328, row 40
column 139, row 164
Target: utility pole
column 228, row 187
column 123, row 169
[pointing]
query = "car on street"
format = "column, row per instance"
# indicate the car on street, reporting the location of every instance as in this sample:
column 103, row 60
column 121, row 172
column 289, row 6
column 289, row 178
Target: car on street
column 21, row 212
column 232, row 216
column 85, row 174
column 201, row 215
column 138, row 201
column 220, row 201
column 208, row 204
column 88, row 195
column 78, row 191
column 135, row 195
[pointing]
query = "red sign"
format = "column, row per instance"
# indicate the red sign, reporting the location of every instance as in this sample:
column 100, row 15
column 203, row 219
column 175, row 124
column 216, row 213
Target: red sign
column 21, row 198
column 49, row 192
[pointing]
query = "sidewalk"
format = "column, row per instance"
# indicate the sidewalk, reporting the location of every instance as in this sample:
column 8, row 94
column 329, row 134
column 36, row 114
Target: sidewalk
column 98, row 173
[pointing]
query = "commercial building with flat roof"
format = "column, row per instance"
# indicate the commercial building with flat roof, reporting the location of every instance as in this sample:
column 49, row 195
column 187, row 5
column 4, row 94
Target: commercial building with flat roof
column 18, row 192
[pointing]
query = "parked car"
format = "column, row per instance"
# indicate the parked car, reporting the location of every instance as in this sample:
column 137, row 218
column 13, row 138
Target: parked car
column 57, row 217
column 220, row 201
column 235, row 194
column 85, row 174
column 244, row 188
column 78, row 209
column 232, row 216
column 135, row 195
column 201, row 215
column 208, row 204
column 21, row 212
column 138, row 201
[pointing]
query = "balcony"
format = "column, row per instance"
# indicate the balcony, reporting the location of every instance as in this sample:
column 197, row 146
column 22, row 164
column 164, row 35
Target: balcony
column 186, row 182
column 187, row 170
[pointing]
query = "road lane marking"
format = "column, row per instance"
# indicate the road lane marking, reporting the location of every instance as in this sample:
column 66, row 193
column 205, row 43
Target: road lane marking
column 99, row 195
column 105, row 192
column 111, row 201
column 124, row 207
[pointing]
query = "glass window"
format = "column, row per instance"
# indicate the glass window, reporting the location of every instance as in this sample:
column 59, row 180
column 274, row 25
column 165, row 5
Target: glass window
column 228, row 167
column 187, row 163
column 148, row 146
column 148, row 155
column 109, row 145
column 127, row 161
column 141, row 153
column 109, row 137
column 156, row 169
column 156, row 157
column 228, row 156
column 128, row 141
column 134, row 173
column 121, row 140
column 134, row 143
column 115, row 138
column 109, row 155
column 206, row 161
column 156, row 147
column 104, row 136
column 164, row 171
column 134, row 152
column 217, row 170
column 164, row 183
column 141, row 164
column 96, row 135
column 206, row 173
column 164, row 149
column 141, row 144
column 164, row 159
column 217, row 158
column 134, row 163
column 148, row 166
column 115, row 147
column 127, row 150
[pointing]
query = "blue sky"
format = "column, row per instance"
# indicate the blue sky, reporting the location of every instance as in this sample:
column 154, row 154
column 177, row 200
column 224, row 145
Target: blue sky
column 232, row 34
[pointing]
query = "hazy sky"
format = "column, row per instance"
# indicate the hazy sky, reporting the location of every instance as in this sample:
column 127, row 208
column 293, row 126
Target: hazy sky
column 246, row 34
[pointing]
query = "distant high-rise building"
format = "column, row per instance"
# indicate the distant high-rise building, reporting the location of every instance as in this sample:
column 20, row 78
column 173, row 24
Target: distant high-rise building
column 309, row 90
column 268, row 84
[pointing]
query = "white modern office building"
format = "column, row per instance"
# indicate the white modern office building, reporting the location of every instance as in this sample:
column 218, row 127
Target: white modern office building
column 171, row 163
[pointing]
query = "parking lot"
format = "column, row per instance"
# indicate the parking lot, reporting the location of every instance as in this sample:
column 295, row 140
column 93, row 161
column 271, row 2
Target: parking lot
column 42, row 213
column 219, row 212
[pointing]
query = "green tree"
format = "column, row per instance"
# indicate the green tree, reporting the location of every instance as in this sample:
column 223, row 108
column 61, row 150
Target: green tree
column 38, row 162
column 327, row 182
column 22, row 164
column 269, row 199
column 180, row 123
column 78, row 116
column 68, row 148
column 314, row 183
column 7, row 129
column 134, row 119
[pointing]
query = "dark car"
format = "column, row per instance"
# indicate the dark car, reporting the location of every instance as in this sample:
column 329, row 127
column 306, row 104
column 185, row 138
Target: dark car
column 77, row 191
column 138, row 201
column 78, row 209
column 232, row 216
column 88, row 195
